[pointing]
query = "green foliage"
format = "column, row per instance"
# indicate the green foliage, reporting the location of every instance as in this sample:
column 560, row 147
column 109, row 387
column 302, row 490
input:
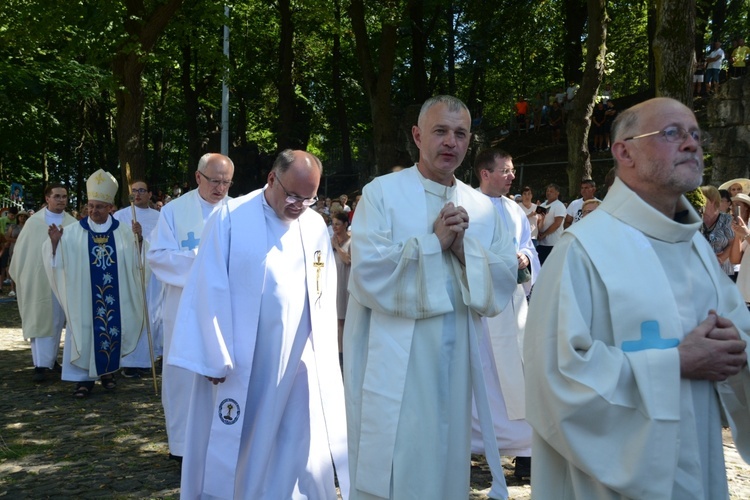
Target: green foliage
column 56, row 87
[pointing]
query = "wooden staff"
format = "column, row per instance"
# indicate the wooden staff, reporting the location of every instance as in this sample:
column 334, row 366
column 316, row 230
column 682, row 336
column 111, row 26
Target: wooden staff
column 142, row 269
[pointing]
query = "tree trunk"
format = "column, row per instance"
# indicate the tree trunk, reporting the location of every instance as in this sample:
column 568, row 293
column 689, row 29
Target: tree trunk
column 417, row 69
column 285, row 132
column 673, row 49
column 579, row 121
column 377, row 83
column 575, row 21
column 338, row 96
column 143, row 28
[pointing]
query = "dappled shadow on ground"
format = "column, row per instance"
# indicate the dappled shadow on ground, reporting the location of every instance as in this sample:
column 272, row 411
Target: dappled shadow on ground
column 112, row 444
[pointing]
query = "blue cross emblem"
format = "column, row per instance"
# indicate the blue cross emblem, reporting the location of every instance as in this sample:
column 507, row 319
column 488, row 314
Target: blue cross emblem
column 191, row 242
column 650, row 339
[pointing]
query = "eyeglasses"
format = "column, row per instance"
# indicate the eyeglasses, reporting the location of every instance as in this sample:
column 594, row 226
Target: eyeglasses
column 674, row 134
column 216, row 182
column 140, row 191
column 292, row 199
column 508, row 171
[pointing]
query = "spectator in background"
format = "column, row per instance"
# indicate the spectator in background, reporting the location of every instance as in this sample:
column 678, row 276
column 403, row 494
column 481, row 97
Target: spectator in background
column 11, row 235
column 739, row 58
column 609, row 116
column 551, row 223
column 342, row 253
column 717, row 228
column 698, row 73
column 537, row 107
column 589, row 206
column 343, row 199
column 555, row 121
column 529, row 208
column 598, row 118
column 713, row 68
column 522, row 114
column 725, row 205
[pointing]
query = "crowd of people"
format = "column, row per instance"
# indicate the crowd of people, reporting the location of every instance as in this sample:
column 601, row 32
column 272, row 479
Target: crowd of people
column 307, row 344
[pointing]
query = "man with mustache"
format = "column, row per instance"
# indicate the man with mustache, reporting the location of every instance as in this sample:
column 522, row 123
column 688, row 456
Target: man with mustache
column 635, row 347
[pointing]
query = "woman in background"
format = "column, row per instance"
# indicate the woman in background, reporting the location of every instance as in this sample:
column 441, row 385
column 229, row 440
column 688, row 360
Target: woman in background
column 341, row 242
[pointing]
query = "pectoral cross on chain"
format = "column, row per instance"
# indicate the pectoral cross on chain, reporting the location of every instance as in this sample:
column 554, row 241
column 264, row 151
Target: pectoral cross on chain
column 318, row 264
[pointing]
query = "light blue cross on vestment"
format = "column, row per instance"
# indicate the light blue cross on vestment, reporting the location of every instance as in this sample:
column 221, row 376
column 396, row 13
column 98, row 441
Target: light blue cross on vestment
column 191, row 241
column 650, row 339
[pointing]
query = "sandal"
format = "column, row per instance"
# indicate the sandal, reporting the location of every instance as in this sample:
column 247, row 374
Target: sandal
column 108, row 382
column 81, row 391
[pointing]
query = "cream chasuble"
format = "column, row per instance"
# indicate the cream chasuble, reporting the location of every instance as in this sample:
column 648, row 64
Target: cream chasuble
column 34, row 295
column 69, row 273
column 612, row 418
column 259, row 308
column 411, row 350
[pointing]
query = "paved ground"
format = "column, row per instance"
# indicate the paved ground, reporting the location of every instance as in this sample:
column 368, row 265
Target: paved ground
column 112, row 445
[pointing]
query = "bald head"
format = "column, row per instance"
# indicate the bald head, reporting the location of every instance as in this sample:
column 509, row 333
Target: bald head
column 293, row 183
column 214, row 177
column 657, row 150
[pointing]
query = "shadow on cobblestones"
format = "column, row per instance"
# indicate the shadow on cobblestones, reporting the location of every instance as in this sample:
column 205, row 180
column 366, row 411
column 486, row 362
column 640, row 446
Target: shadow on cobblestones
column 110, row 445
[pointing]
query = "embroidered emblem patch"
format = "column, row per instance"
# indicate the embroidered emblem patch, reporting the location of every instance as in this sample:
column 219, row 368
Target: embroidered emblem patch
column 229, row 411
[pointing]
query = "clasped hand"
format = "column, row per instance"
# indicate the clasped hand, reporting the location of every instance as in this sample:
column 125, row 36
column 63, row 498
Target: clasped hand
column 450, row 226
column 713, row 350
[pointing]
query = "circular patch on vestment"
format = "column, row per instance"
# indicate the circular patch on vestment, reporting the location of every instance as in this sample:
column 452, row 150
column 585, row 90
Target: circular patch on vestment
column 229, row 411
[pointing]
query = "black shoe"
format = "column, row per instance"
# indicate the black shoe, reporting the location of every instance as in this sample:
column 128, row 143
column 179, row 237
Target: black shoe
column 176, row 458
column 57, row 368
column 130, row 373
column 39, row 374
column 523, row 467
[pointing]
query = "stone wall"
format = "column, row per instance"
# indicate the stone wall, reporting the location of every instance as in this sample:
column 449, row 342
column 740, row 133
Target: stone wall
column 728, row 117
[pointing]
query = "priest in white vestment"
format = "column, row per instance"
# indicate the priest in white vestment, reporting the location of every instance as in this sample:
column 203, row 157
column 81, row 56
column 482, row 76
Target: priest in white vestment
column 147, row 217
column 93, row 269
column 173, row 247
column 257, row 325
column 42, row 317
column 635, row 347
column 429, row 258
column 503, row 367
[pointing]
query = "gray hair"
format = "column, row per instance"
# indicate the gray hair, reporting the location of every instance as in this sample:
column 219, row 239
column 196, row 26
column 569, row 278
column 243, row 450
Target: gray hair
column 453, row 104
column 203, row 162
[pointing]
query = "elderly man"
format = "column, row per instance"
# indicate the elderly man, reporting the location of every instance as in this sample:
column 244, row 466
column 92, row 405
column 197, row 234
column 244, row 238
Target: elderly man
column 255, row 322
column 635, row 348
column 502, row 344
column 93, row 269
column 430, row 256
column 42, row 318
column 174, row 245
column 147, row 217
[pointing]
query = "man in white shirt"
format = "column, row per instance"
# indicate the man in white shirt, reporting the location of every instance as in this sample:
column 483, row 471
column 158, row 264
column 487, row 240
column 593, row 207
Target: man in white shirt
column 42, row 317
column 551, row 225
column 713, row 67
column 588, row 190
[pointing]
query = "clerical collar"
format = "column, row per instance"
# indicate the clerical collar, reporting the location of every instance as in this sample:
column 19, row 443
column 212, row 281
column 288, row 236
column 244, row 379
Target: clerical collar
column 53, row 218
column 447, row 193
column 100, row 228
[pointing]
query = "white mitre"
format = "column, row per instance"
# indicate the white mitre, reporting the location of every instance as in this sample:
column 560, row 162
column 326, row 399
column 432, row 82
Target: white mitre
column 101, row 186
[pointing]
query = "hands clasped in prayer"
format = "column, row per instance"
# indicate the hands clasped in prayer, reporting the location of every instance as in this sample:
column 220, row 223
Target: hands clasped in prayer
column 449, row 227
column 713, row 350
